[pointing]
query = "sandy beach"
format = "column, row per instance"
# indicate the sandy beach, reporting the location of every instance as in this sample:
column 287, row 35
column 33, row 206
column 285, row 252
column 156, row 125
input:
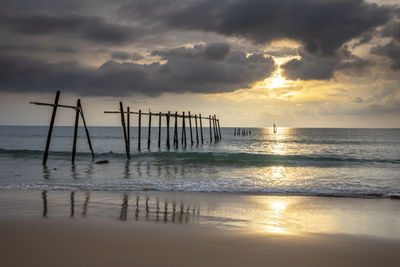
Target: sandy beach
column 119, row 229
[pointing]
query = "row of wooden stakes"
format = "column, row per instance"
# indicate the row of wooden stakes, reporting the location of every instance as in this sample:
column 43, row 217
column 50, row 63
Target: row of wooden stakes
column 214, row 127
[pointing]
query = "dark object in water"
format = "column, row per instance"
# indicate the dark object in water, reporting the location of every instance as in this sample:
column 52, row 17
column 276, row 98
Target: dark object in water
column 102, row 162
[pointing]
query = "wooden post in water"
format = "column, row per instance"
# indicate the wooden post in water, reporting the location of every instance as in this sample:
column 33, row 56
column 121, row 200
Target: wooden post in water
column 159, row 130
column 75, row 129
column 168, row 119
column 216, row 127
column 86, row 130
column 201, row 129
column 209, row 119
column 53, row 116
column 121, row 109
column 149, row 133
column 183, row 127
column 190, row 125
column 219, row 130
column 197, row 131
column 128, row 132
column 176, row 131
column 140, row 129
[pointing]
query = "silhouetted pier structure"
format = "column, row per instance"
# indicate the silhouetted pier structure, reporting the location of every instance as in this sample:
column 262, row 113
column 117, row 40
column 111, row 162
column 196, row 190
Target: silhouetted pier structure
column 78, row 111
column 241, row 132
column 178, row 119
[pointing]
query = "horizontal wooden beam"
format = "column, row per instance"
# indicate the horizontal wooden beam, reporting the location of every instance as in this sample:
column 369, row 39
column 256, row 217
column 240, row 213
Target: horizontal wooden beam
column 154, row 114
column 52, row 105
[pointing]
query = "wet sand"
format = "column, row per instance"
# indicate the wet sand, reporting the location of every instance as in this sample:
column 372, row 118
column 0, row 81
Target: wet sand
column 179, row 229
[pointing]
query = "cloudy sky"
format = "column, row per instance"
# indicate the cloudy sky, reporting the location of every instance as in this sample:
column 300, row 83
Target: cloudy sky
column 298, row 63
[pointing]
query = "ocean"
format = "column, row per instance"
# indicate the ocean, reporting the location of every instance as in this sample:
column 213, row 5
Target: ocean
column 292, row 161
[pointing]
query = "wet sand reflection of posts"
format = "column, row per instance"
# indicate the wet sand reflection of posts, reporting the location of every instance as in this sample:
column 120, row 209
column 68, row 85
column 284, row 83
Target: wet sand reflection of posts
column 44, row 199
column 124, row 208
column 72, row 198
column 85, row 204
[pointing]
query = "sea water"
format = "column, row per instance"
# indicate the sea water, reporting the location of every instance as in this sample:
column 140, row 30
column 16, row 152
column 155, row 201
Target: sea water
column 292, row 161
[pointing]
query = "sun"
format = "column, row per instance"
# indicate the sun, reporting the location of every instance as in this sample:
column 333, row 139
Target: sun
column 276, row 80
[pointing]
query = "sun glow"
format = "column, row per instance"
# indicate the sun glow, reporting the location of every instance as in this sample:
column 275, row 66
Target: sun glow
column 276, row 80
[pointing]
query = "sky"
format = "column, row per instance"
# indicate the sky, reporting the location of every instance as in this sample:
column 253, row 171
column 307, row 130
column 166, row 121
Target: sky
column 296, row 63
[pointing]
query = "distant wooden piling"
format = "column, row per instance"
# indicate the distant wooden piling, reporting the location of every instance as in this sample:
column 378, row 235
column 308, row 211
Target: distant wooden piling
column 176, row 131
column 149, row 132
column 53, row 116
column 159, row 130
column 214, row 129
column 190, row 125
column 168, row 120
column 197, row 131
column 209, row 119
column 75, row 129
column 140, row 129
column 201, row 129
column 121, row 109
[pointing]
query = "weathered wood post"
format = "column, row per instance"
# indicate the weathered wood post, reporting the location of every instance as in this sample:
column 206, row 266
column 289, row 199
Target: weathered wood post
column 176, row 131
column 215, row 133
column 190, row 125
column 121, row 109
column 197, row 131
column 209, row 119
column 140, row 129
column 201, row 129
column 86, row 130
column 128, row 132
column 53, row 116
column 149, row 133
column 168, row 120
column 159, row 130
column 183, row 129
column 78, row 102
column 215, row 127
column 219, row 130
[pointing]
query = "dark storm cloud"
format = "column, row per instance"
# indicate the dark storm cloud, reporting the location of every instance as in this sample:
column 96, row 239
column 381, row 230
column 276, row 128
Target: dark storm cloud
column 391, row 51
column 313, row 67
column 321, row 26
column 91, row 28
column 186, row 70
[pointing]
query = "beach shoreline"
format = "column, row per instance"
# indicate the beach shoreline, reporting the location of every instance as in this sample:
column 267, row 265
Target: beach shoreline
column 84, row 228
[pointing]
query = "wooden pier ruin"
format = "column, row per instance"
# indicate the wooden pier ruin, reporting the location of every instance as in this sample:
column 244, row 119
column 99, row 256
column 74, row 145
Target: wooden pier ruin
column 78, row 111
column 215, row 130
column 125, row 115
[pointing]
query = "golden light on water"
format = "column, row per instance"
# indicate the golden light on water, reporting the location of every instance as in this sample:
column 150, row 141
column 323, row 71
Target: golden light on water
column 273, row 222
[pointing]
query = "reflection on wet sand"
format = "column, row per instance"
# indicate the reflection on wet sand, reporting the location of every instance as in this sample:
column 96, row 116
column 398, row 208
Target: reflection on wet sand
column 145, row 208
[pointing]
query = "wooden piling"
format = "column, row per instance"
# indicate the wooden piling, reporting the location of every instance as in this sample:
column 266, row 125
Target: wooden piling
column 201, row 129
column 197, row 131
column 219, row 130
column 183, row 130
column 75, row 129
column 176, row 131
column 149, row 133
column 159, row 130
column 216, row 127
column 209, row 119
column 168, row 120
column 190, row 125
column 140, row 129
column 86, row 130
column 121, row 109
column 128, row 129
column 53, row 116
